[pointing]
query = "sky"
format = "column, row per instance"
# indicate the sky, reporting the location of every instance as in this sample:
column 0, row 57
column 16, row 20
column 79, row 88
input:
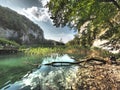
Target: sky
column 35, row 11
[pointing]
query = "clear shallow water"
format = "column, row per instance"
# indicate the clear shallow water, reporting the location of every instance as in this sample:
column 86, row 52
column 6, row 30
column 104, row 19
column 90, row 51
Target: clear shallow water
column 48, row 77
column 14, row 67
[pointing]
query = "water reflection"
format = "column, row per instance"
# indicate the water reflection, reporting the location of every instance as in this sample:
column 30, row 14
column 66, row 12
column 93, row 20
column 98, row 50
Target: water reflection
column 47, row 77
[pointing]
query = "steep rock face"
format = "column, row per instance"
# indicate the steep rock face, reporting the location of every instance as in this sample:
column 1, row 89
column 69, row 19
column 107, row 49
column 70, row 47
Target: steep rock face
column 21, row 37
column 18, row 28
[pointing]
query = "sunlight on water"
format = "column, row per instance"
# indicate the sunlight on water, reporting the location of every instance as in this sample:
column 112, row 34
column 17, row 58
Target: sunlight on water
column 48, row 77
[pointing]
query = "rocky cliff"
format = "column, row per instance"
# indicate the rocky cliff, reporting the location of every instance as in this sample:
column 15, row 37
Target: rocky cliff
column 18, row 28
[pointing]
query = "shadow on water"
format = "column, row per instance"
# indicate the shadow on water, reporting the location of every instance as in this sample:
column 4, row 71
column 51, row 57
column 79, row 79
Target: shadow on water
column 48, row 77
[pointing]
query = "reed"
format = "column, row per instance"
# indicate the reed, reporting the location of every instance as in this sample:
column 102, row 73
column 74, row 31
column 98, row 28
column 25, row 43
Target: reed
column 42, row 51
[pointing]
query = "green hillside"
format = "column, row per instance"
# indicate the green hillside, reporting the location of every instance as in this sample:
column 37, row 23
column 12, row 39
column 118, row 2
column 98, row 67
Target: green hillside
column 18, row 28
column 12, row 20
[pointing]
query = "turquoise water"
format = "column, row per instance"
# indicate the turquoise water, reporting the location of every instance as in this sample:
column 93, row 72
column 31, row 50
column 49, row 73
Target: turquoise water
column 48, row 77
column 14, row 67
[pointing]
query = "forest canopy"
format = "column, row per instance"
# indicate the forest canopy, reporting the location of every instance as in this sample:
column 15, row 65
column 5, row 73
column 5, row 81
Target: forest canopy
column 100, row 16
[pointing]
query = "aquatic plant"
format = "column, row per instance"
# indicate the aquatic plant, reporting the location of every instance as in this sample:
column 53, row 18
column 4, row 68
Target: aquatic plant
column 42, row 51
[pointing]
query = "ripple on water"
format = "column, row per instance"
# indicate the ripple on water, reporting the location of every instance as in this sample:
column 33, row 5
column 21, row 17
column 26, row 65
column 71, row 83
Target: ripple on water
column 48, row 77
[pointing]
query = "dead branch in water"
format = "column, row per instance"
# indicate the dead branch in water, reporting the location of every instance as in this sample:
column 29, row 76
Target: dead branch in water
column 92, row 61
column 77, row 62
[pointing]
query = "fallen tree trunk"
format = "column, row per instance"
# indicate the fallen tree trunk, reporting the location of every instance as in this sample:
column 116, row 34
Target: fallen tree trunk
column 96, row 59
column 102, row 61
column 92, row 61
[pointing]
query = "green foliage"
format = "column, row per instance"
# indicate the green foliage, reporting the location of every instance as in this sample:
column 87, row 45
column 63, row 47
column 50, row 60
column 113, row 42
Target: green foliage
column 12, row 20
column 20, row 25
column 76, row 13
column 103, row 53
column 99, row 13
column 43, row 51
column 4, row 41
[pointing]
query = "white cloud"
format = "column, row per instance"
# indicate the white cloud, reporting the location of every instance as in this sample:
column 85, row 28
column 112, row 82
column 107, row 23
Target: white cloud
column 40, row 16
column 44, row 2
column 36, row 13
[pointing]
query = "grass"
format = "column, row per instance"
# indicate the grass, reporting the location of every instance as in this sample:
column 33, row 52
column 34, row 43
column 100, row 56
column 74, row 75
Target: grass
column 76, row 51
column 43, row 51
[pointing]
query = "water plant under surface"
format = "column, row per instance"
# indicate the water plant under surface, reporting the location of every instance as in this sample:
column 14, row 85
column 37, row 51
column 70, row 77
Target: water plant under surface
column 13, row 67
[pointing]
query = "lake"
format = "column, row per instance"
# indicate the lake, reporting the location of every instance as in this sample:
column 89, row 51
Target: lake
column 44, row 77
column 14, row 67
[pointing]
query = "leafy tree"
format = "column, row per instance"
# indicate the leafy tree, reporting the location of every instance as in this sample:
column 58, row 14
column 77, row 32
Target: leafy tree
column 99, row 13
